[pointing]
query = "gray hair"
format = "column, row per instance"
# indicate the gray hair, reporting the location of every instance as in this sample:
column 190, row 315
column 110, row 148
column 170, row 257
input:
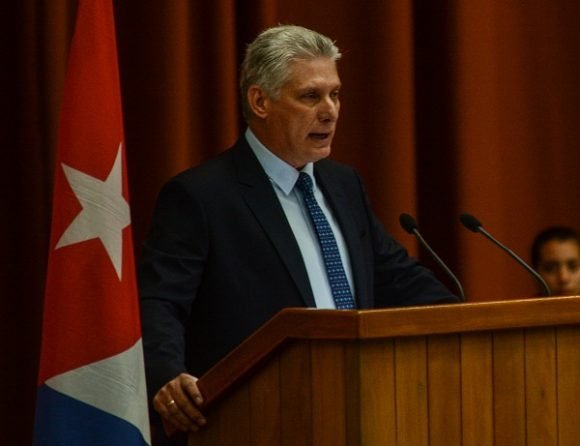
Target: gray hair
column 268, row 58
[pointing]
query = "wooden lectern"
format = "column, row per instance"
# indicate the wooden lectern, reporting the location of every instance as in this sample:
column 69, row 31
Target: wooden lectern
column 493, row 373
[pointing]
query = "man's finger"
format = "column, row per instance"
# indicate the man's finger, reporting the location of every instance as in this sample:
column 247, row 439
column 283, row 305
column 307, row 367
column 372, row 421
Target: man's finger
column 190, row 387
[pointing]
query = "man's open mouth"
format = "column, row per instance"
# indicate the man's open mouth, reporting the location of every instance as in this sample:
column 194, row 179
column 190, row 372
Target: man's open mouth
column 320, row 136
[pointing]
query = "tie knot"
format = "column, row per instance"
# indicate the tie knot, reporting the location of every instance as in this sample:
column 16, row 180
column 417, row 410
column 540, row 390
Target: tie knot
column 304, row 182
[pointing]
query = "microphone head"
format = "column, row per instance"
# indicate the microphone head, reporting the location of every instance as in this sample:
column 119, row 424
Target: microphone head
column 408, row 223
column 470, row 222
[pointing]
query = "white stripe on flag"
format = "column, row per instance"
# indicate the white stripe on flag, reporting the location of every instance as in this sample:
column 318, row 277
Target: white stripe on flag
column 115, row 385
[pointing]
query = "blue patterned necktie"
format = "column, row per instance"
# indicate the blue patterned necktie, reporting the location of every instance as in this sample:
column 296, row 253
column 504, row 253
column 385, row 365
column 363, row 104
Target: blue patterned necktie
column 334, row 269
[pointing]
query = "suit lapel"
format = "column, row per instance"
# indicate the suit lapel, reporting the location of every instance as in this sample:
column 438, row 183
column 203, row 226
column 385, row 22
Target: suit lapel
column 350, row 231
column 261, row 199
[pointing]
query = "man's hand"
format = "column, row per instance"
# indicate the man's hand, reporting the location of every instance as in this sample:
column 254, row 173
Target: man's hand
column 178, row 402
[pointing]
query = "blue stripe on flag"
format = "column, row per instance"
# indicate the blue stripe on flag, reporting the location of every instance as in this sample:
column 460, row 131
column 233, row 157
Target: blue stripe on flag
column 64, row 421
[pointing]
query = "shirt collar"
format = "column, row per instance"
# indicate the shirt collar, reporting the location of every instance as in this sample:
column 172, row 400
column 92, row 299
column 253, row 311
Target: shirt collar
column 280, row 172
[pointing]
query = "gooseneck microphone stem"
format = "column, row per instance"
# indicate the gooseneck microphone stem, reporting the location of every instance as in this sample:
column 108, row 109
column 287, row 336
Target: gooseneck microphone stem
column 545, row 286
column 471, row 223
column 408, row 223
column 441, row 262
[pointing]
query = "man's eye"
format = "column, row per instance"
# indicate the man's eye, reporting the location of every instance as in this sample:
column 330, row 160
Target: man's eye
column 335, row 94
column 310, row 95
column 573, row 266
column 550, row 267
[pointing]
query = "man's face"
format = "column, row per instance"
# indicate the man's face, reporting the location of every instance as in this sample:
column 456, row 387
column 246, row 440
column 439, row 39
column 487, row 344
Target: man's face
column 559, row 265
column 300, row 124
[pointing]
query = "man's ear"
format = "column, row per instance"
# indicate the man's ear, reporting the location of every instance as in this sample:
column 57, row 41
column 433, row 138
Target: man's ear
column 258, row 101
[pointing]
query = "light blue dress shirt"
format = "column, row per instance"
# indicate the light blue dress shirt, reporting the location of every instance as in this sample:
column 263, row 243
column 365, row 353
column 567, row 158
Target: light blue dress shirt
column 283, row 178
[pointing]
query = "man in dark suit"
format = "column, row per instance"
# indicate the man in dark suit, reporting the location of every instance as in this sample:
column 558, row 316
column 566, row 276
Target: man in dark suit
column 269, row 224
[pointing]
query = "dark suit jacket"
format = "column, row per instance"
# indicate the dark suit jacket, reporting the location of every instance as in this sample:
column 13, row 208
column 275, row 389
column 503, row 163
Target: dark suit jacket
column 221, row 260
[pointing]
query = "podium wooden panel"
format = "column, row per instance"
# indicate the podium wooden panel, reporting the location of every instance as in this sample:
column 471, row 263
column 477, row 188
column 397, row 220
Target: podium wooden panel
column 493, row 373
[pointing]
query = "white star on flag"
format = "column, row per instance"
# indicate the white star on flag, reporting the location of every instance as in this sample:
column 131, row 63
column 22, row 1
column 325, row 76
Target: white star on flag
column 105, row 211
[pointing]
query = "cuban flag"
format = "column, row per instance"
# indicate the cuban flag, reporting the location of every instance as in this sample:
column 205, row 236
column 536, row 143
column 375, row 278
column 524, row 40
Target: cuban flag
column 91, row 377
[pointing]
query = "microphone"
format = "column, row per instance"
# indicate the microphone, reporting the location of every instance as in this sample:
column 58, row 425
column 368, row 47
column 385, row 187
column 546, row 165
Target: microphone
column 409, row 224
column 473, row 224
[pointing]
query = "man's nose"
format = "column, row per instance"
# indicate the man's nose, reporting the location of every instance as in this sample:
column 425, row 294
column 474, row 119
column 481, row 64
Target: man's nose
column 328, row 109
column 564, row 274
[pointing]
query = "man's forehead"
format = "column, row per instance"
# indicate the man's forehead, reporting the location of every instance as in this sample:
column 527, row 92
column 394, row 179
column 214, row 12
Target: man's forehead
column 321, row 70
column 565, row 242
column 555, row 247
